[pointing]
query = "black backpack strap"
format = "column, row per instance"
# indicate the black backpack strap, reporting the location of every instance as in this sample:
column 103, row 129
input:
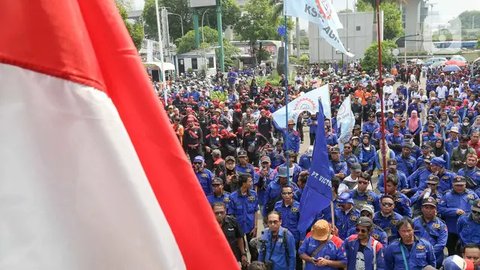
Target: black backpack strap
column 287, row 259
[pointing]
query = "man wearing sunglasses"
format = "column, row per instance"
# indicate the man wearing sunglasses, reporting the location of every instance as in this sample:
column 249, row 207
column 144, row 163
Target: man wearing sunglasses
column 386, row 218
column 204, row 175
column 361, row 195
column 376, row 232
column 454, row 204
column 363, row 251
column 402, row 202
column 432, row 228
column 469, row 226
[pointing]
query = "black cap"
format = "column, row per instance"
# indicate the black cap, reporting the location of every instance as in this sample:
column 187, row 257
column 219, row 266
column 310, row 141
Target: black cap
column 364, row 222
column 459, row 180
column 242, row 153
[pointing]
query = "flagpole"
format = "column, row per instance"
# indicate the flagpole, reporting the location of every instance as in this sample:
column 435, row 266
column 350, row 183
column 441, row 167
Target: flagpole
column 380, row 94
column 285, row 61
column 160, row 44
column 333, row 214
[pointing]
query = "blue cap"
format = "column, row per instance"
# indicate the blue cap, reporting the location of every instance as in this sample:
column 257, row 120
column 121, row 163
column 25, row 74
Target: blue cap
column 345, row 198
column 198, row 159
column 438, row 161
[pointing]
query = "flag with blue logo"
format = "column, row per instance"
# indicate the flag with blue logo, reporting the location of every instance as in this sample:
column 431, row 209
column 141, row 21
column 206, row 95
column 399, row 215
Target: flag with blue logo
column 320, row 12
column 317, row 193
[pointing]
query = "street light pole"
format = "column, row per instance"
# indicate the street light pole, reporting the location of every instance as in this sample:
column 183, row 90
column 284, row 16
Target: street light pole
column 181, row 20
column 160, row 44
column 203, row 36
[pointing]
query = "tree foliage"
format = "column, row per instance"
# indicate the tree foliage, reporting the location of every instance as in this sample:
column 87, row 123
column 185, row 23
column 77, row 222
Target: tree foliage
column 370, row 59
column 470, row 19
column 187, row 43
column 135, row 29
column 230, row 15
column 256, row 22
column 393, row 27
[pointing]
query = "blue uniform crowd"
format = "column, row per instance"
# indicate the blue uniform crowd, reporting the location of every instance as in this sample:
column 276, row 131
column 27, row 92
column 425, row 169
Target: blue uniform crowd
column 426, row 209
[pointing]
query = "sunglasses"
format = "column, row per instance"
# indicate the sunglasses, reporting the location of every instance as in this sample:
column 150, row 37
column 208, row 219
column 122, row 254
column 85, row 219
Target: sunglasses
column 361, row 230
column 219, row 213
column 387, row 204
column 287, row 193
column 365, row 214
column 197, row 162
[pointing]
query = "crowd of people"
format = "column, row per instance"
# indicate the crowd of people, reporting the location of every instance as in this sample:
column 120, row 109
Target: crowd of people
column 424, row 215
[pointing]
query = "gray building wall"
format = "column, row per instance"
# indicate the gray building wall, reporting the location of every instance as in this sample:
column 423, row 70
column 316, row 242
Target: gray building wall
column 357, row 35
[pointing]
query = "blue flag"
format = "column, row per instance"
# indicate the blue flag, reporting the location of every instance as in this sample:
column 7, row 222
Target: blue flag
column 317, row 193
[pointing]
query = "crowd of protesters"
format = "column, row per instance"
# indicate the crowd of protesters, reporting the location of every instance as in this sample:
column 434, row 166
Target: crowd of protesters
column 426, row 209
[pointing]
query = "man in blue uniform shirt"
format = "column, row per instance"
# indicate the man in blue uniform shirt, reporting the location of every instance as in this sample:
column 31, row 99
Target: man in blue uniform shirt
column 345, row 215
column 432, row 228
column 361, row 195
column 405, row 162
column 291, row 138
column 409, row 252
column 446, row 177
column 243, row 166
column 244, row 206
column 273, row 194
column 431, row 191
column 277, row 245
column 455, row 203
column 471, row 171
column 204, row 175
column 339, row 167
column 219, row 195
column 319, row 251
column 386, row 218
column 402, row 202
column 289, row 210
column 469, row 226
column 363, row 251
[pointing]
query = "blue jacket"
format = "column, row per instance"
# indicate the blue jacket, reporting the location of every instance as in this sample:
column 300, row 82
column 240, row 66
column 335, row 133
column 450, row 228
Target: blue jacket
column 291, row 139
column 328, row 251
column 244, row 207
column 351, row 245
column 388, row 224
column 280, row 253
column 205, row 178
column 418, row 180
column 369, row 197
column 370, row 127
column 367, row 156
column 417, row 258
column 446, row 180
column 406, row 164
column 305, row 161
column 331, row 139
column 402, row 204
column 472, row 173
column 224, row 198
column 274, row 192
column 435, row 232
column 290, row 216
column 249, row 169
column 345, row 221
column 453, row 201
column 469, row 230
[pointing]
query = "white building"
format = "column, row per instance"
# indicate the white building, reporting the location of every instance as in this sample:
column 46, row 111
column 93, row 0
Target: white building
column 357, row 35
column 197, row 60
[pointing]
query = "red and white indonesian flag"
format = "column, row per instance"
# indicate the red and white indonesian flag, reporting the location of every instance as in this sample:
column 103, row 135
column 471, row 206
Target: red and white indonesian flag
column 92, row 176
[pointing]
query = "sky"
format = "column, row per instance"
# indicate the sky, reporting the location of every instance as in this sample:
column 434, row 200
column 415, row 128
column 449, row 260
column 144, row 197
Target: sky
column 447, row 9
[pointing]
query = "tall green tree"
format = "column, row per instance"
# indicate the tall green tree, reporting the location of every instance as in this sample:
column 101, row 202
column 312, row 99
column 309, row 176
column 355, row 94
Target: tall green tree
column 135, row 29
column 230, row 15
column 393, row 27
column 257, row 23
column 370, row 59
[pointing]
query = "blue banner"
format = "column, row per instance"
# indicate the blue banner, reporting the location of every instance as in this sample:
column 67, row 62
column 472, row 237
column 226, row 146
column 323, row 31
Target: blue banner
column 317, row 193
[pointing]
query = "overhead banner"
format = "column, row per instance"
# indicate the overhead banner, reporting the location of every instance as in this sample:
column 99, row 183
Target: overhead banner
column 320, row 12
column 306, row 102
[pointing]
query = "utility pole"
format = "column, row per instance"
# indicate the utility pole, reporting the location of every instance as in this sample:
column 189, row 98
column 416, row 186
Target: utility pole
column 220, row 35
